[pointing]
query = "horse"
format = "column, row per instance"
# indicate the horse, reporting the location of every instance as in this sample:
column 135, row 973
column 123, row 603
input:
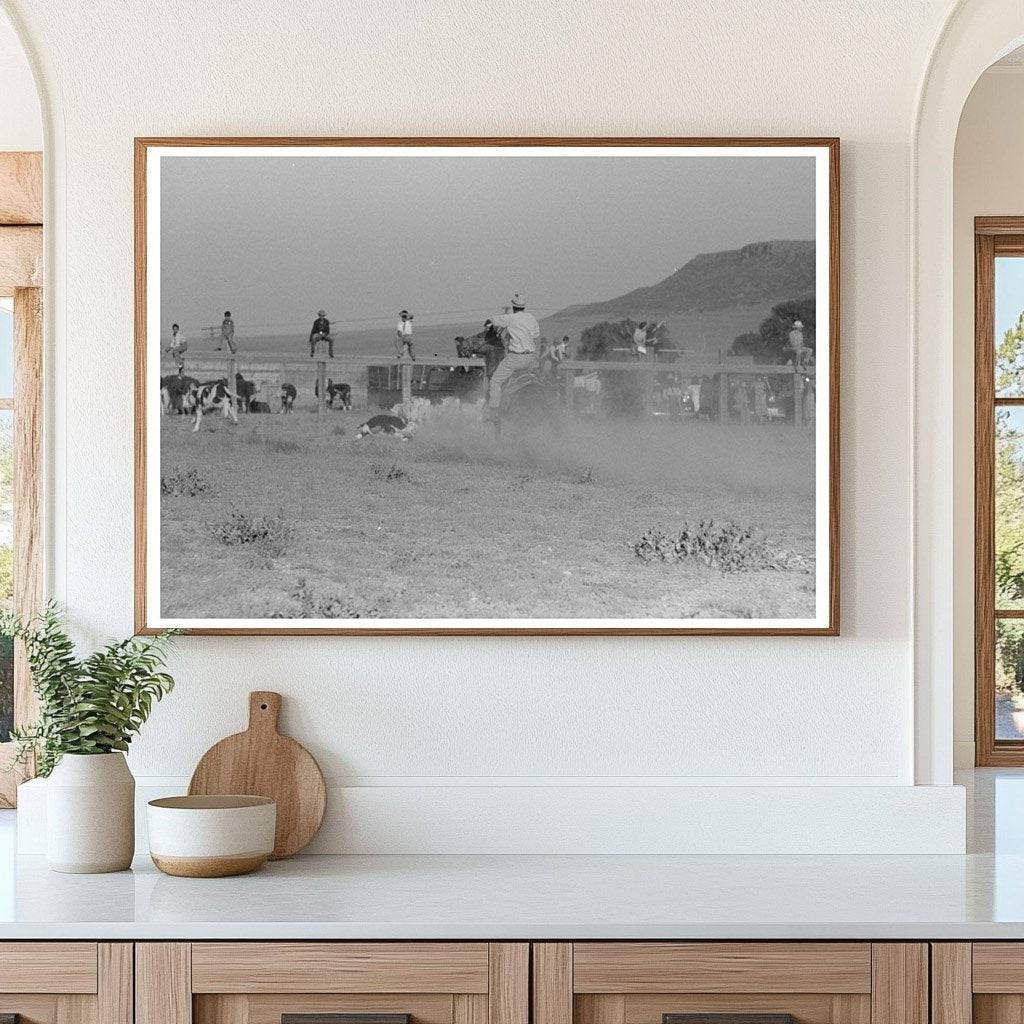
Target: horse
column 529, row 396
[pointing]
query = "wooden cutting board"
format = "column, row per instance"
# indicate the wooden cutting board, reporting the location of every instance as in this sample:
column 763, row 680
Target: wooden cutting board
column 262, row 762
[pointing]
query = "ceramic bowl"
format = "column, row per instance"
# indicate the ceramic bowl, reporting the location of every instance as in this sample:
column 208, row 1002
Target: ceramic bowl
column 211, row 836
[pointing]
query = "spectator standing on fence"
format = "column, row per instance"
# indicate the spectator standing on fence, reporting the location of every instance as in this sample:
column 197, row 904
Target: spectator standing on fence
column 403, row 335
column 561, row 349
column 521, row 352
column 321, row 332
column 640, row 339
column 177, row 348
column 796, row 343
column 227, row 333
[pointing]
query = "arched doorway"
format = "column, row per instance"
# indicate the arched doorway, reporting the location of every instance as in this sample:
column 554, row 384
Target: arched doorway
column 975, row 35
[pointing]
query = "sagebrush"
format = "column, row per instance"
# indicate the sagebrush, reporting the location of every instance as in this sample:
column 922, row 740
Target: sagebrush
column 186, row 482
column 721, row 545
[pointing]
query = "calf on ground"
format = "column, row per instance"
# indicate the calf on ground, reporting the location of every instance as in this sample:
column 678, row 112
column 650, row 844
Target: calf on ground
column 174, row 390
column 246, row 392
column 256, row 406
column 340, row 393
column 383, row 423
column 288, row 396
column 211, row 396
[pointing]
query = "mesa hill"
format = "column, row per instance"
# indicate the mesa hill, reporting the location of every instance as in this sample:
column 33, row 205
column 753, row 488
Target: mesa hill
column 762, row 272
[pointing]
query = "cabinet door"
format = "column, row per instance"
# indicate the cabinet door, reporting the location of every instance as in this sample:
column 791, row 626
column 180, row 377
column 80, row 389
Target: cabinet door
column 66, row 982
column 981, row 982
column 736, row 982
column 332, row 983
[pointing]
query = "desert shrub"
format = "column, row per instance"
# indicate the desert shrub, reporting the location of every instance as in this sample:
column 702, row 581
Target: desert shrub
column 188, row 483
column 308, row 604
column 725, row 546
column 283, row 446
column 268, row 534
column 586, row 476
column 384, row 470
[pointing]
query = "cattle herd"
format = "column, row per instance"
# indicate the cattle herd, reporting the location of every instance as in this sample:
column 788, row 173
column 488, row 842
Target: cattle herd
column 181, row 395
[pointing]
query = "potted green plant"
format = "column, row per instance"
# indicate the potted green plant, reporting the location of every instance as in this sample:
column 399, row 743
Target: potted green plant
column 89, row 710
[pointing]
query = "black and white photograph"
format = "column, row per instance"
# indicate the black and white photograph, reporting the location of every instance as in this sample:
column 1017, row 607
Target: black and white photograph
column 482, row 386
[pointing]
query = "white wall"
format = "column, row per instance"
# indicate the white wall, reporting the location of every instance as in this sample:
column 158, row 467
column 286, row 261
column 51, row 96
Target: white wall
column 988, row 181
column 21, row 125
column 443, row 713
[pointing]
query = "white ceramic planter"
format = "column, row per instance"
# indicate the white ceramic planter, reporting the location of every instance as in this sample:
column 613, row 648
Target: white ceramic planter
column 90, row 814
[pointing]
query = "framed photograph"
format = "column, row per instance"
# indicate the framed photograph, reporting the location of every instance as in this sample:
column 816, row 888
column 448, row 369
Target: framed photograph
column 487, row 386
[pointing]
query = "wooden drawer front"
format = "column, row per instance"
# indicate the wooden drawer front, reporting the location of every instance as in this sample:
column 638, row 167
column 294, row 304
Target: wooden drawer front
column 711, row 967
column 648, row 1009
column 267, row 1009
column 998, row 967
column 52, row 967
column 366, row 967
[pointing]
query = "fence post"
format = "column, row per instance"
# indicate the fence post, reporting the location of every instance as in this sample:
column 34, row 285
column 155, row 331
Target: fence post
column 406, row 383
column 647, row 374
column 567, row 384
column 232, row 373
column 723, row 396
column 321, row 379
column 798, row 397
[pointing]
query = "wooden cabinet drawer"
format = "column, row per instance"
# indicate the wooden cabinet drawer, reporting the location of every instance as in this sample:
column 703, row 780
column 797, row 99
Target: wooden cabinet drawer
column 722, row 967
column 66, row 982
column 259, row 982
column 340, row 967
column 48, row 967
column 813, row 982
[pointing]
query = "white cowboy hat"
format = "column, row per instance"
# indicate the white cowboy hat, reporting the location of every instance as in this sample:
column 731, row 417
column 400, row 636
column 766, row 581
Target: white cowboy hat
column 517, row 300
column 798, row 323
column 320, row 312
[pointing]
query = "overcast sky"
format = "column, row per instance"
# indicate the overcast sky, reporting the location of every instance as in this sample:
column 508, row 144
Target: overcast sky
column 450, row 238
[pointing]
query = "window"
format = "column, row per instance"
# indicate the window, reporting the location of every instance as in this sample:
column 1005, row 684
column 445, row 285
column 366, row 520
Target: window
column 999, row 490
column 21, row 375
column 6, row 510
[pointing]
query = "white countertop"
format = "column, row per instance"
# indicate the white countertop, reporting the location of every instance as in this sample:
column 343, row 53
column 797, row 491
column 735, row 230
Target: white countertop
column 532, row 897
column 978, row 896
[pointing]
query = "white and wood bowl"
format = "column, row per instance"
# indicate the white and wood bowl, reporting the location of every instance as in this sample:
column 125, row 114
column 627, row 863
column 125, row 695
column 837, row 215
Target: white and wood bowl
column 211, row 836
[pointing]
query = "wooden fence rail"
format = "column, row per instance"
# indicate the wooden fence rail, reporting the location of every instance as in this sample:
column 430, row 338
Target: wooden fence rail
column 650, row 372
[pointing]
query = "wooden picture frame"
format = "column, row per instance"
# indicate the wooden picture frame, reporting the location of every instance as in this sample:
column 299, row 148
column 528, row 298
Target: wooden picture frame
column 825, row 420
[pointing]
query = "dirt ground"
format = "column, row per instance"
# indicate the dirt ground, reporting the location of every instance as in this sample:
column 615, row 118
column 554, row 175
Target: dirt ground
column 455, row 523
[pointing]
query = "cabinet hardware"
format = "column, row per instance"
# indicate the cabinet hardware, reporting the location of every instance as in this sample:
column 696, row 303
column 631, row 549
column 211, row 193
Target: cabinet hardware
column 728, row 1018
column 339, row 1018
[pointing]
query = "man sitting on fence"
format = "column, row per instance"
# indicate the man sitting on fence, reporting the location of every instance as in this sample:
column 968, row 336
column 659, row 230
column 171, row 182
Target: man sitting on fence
column 321, row 332
column 521, row 352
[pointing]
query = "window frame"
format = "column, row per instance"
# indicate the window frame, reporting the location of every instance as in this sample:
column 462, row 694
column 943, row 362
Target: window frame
column 993, row 237
column 21, row 252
